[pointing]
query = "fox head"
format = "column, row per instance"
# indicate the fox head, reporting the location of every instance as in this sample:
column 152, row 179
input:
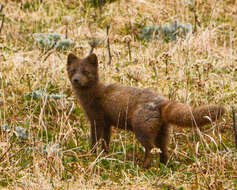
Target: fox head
column 83, row 73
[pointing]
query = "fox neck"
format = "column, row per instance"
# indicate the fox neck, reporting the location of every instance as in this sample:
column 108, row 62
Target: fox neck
column 88, row 96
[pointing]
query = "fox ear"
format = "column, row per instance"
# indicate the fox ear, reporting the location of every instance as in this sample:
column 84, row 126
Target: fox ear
column 92, row 58
column 71, row 58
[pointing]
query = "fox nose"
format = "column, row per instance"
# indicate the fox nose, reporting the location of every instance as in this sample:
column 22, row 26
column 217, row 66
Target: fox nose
column 75, row 80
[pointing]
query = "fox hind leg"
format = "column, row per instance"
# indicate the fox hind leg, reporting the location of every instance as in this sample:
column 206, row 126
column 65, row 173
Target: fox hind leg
column 146, row 124
column 148, row 146
column 146, row 132
column 162, row 141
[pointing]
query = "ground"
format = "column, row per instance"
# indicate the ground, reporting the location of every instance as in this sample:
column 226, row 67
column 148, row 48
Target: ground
column 52, row 151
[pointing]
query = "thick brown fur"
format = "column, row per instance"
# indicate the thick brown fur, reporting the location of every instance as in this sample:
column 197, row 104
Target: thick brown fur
column 147, row 114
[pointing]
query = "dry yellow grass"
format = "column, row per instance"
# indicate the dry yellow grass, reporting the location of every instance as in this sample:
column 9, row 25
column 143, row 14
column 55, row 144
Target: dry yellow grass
column 201, row 69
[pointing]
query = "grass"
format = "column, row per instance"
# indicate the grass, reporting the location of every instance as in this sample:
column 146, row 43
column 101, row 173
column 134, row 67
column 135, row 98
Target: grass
column 200, row 69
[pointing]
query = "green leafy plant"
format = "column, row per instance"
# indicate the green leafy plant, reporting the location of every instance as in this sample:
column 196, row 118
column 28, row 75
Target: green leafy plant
column 52, row 41
column 166, row 32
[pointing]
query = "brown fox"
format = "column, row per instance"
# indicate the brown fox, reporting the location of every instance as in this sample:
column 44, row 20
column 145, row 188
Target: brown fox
column 147, row 114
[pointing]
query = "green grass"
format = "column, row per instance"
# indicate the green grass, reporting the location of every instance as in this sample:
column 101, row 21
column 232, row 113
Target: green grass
column 200, row 69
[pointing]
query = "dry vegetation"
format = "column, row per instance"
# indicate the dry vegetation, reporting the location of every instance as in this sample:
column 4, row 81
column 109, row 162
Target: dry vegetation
column 200, row 69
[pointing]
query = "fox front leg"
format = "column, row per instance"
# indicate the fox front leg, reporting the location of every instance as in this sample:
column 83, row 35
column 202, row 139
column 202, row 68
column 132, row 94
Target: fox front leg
column 99, row 131
column 93, row 138
column 106, row 138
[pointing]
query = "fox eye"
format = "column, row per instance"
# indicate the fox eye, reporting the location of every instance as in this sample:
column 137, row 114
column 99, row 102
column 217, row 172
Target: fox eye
column 71, row 72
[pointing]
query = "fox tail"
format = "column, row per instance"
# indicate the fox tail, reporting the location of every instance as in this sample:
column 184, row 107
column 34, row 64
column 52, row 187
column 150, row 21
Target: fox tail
column 185, row 116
